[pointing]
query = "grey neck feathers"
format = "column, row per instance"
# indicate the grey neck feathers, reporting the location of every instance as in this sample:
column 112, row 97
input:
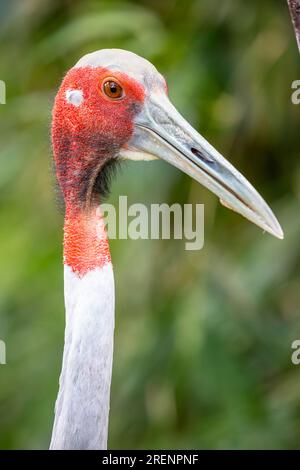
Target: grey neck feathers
column 82, row 406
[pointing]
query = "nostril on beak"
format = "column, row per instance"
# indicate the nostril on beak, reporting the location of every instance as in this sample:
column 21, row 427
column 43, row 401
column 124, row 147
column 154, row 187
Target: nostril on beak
column 204, row 158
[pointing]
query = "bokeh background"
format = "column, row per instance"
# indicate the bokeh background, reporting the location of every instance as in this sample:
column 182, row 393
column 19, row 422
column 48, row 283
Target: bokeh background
column 203, row 339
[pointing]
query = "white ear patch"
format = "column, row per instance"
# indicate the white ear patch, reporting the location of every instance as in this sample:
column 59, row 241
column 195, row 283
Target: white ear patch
column 74, row 97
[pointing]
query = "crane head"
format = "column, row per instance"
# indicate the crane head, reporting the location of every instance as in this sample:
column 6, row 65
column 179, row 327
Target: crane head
column 114, row 105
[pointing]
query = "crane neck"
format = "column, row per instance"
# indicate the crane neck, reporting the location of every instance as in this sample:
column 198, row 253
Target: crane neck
column 86, row 245
column 82, row 406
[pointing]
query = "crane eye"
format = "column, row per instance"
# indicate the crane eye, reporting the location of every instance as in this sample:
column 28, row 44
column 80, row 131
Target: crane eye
column 113, row 90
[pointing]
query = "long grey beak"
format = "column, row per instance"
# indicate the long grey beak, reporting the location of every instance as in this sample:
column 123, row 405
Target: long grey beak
column 160, row 131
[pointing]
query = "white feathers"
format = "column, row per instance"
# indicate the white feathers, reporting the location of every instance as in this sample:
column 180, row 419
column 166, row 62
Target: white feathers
column 124, row 61
column 74, row 97
column 82, row 406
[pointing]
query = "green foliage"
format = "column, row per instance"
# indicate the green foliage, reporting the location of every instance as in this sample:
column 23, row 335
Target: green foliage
column 203, row 339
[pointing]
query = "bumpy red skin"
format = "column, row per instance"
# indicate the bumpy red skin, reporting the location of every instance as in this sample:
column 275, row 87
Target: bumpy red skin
column 84, row 137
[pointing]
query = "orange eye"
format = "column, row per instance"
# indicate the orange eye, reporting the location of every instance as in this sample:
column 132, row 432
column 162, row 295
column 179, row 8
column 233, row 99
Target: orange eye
column 113, row 90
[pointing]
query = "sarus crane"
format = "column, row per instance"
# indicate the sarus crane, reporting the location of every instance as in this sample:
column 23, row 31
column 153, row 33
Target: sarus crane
column 114, row 105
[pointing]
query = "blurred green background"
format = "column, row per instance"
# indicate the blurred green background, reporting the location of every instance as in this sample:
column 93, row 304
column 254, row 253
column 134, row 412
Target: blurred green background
column 203, row 339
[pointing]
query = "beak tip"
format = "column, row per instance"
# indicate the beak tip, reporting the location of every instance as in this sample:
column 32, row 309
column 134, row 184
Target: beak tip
column 279, row 234
column 277, row 231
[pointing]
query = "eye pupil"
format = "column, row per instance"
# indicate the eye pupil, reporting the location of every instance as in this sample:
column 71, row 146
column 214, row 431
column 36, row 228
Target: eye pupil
column 112, row 89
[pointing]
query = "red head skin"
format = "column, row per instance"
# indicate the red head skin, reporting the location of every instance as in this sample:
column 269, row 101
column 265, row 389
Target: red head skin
column 84, row 138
